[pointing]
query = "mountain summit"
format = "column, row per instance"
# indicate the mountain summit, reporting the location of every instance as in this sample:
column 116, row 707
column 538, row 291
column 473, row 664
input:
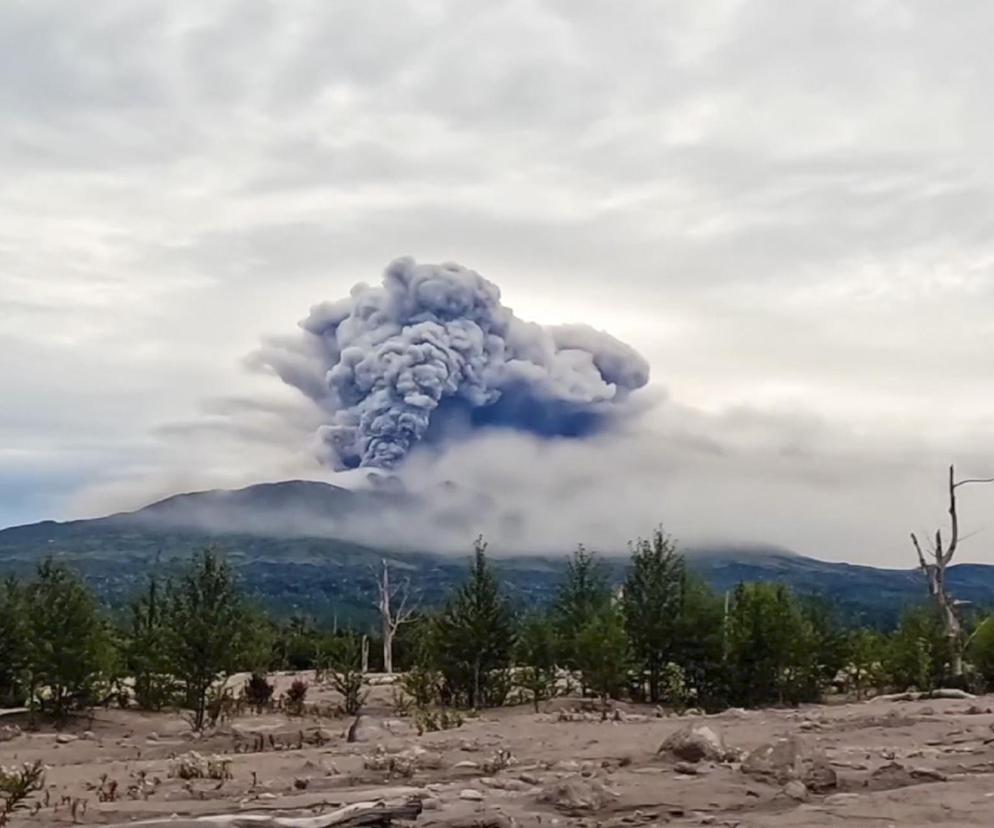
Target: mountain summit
column 289, row 543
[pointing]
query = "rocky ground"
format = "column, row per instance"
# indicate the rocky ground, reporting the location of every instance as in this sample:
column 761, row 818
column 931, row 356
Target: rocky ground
column 877, row 763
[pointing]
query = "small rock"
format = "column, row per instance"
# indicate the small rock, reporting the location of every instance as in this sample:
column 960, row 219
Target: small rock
column 530, row 779
column 471, row 795
column 796, row 789
column 840, row 799
column 466, row 765
column 687, row 768
column 301, row 783
column 65, row 738
column 430, row 803
column 928, row 775
column 9, row 732
column 152, row 737
column 89, row 735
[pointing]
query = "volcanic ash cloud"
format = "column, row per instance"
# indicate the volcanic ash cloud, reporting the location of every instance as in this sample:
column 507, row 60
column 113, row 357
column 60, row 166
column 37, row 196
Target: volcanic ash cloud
column 432, row 353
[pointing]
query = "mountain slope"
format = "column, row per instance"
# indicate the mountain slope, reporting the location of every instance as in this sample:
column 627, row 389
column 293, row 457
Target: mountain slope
column 282, row 539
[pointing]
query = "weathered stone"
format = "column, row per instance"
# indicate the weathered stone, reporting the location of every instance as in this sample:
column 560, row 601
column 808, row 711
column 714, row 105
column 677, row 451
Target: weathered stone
column 9, row 732
column 65, row 738
column 928, row 775
column 471, row 795
column 840, row 799
column 796, row 789
column 783, row 760
column 576, row 795
column 364, row 730
column 694, row 743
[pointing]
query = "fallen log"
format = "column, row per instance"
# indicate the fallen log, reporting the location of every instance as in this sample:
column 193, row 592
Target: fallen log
column 959, row 695
column 357, row 815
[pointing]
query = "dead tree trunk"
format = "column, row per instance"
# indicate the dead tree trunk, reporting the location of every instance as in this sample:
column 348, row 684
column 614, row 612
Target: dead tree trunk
column 935, row 565
column 391, row 619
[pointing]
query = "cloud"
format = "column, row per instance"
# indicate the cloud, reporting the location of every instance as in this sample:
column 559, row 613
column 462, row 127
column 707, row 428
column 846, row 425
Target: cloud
column 785, row 210
column 432, row 351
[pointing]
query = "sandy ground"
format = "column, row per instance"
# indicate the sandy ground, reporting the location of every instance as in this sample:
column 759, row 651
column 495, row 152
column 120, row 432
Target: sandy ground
column 898, row 764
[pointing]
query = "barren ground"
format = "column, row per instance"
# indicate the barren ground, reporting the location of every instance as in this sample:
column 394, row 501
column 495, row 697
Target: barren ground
column 898, row 763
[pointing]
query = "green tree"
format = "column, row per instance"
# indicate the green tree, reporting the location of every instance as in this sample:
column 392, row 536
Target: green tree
column 535, row 655
column 144, row 650
column 474, row 637
column 13, row 642
column 827, row 648
column 699, row 644
column 207, row 629
column 919, row 652
column 69, row 650
column 980, row 650
column 771, row 648
column 602, row 653
column 651, row 605
column 583, row 593
column 866, row 650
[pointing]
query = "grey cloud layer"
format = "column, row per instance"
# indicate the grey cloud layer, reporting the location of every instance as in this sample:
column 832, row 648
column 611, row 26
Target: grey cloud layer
column 785, row 207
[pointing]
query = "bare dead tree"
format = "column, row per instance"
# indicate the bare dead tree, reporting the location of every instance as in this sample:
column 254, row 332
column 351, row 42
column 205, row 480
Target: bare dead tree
column 393, row 603
column 940, row 555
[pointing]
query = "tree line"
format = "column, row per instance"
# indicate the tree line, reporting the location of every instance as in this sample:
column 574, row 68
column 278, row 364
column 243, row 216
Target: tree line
column 662, row 637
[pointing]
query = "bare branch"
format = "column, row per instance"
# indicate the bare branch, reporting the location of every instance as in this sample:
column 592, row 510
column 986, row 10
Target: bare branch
column 970, row 480
column 918, row 549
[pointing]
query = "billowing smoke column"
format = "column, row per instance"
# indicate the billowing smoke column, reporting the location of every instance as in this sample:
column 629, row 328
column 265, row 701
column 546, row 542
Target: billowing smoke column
column 434, row 350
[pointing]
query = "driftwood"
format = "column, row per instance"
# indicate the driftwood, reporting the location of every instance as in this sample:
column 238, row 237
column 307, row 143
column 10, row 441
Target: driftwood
column 960, row 695
column 14, row 711
column 358, row 814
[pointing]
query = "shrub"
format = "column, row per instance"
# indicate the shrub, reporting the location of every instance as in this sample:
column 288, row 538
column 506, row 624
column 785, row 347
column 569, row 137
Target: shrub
column 422, row 685
column 16, row 785
column 295, row 696
column 258, row 692
column 346, row 676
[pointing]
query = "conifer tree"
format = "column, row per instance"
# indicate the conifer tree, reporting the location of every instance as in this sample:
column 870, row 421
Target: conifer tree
column 13, row 644
column 474, row 636
column 206, row 629
column 68, row 644
column 584, row 592
column 144, row 650
column 535, row 655
column 602, row 653
column 651, row 605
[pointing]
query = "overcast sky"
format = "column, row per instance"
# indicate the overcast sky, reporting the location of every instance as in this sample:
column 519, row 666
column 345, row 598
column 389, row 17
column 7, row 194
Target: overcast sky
column 786, row 207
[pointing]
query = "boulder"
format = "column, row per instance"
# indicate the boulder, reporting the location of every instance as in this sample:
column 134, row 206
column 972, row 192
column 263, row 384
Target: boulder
column 694, row 743
column 576, row 795
column 364, row 730
column 787, row 759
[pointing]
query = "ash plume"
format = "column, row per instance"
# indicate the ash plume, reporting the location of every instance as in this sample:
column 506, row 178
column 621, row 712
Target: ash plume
column 432, row 353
